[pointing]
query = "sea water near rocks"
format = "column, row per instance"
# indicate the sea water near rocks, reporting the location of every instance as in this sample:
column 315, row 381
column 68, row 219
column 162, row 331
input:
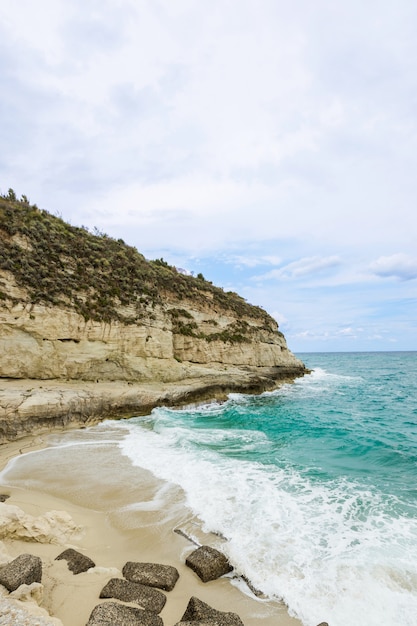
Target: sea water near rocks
column 314, row 485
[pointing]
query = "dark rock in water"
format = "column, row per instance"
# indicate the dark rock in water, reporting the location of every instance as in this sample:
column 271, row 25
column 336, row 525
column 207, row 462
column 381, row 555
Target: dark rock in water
column 151, row 574
column 113, row 614
column 4, row 497
column 24, row 570
column 127, row 591
column 323, row 624
column 77, row 562
column 199, row 611
column 208, row 563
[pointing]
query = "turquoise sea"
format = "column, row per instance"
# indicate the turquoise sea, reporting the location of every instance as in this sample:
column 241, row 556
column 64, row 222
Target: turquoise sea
column 314, row 485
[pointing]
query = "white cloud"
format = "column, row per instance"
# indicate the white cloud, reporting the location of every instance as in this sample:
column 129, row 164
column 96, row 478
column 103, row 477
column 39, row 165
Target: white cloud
column 399, row 265
column 251, row 260
column 303, row 267
column 255, row 132
column 281, row 319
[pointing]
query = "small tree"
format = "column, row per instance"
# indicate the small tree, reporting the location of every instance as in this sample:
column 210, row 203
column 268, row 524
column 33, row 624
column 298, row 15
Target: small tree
column 12, row 195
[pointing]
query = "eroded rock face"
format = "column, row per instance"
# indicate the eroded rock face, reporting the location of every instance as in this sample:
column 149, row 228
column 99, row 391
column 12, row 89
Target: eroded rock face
column 188, row 349
column 53, row 526
column 41, row 342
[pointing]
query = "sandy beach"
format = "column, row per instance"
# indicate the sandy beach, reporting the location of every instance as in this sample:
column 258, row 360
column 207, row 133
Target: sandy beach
column 113, row 515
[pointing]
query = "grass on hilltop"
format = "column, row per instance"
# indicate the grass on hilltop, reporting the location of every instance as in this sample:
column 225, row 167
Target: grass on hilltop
column 102, row 278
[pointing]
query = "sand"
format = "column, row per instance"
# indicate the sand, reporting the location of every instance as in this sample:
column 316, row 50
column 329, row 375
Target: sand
column 112, row 530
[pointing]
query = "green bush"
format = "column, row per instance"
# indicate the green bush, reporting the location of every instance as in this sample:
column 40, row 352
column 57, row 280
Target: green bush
column 94, row 273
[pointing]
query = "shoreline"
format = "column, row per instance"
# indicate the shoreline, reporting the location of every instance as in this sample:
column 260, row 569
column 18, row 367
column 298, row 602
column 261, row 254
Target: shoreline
column 34, row 406
column 113, row 536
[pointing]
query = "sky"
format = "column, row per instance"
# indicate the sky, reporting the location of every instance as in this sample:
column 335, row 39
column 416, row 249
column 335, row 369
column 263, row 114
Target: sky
column 270, row 145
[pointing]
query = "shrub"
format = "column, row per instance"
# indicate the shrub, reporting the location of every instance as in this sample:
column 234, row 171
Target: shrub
column 95, row 273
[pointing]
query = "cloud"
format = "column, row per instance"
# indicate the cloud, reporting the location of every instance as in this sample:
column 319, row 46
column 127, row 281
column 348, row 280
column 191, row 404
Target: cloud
column 281, row 319
column 349, row 332
column 243, row 260
column 278, row 136
column 303, row 267
column 399, row 265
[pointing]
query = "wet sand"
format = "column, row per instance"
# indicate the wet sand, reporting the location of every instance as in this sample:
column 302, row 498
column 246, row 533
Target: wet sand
column 122, row 513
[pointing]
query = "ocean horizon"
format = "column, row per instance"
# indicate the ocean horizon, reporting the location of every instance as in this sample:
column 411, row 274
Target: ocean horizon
column 313, row 485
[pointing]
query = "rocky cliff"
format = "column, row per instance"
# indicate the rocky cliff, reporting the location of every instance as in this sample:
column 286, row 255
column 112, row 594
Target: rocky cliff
column 75, row 307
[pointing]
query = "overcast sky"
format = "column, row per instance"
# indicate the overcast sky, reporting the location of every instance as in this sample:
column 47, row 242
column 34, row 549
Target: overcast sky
column 270, row 145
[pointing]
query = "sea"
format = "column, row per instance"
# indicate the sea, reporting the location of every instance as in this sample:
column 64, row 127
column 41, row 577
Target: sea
column 313, row 486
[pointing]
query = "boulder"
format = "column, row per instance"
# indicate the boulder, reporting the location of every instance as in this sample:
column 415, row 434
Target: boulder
column 24, row 570
column 151, row 574
column 76, row 561
column 199, row 611
column 208, row 563
column 203, row 622
column 4, row 497
column 111, row 613
column 128, row 591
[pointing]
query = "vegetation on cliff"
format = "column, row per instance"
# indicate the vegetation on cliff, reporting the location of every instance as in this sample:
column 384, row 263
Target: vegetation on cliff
column 104, row 279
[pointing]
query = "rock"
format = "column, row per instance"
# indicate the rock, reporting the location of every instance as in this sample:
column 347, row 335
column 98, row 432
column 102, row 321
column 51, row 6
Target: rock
column 4, row 497
column 111, row 614
column 55, row 342
column 16, row 613
column 24, row 570
column 151, row 574
column 168, row 329
column 76, row 561
column 323, row 624
column 199, row 611
column 50, row 527
column 148, row 598
column 203, row 622
column 208, row 563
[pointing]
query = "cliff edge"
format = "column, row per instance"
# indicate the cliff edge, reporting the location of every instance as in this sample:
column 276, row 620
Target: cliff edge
column 89, row 328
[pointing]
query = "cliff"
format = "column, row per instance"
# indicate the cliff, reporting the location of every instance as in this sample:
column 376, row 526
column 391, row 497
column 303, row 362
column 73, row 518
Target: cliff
column 78, row 308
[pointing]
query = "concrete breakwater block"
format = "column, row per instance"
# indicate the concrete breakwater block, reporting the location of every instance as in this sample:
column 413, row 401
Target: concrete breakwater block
column 197, row 610
column 23, row 570
column 208, row 563
column 147, row 597
column 76, row 561
column 111, row 613
column 151, row 574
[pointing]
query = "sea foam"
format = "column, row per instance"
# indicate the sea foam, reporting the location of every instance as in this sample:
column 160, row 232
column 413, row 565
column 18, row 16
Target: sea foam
column 331, row 544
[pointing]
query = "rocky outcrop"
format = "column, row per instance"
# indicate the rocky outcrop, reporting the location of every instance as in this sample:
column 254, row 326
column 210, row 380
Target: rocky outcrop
column 57, row 369
column 77, row 308
column 45, row 342
column 33, row 406
column 52, row 527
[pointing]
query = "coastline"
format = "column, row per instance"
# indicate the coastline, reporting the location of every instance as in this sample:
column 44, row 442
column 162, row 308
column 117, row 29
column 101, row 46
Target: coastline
column 34, row 406
column 112, row 540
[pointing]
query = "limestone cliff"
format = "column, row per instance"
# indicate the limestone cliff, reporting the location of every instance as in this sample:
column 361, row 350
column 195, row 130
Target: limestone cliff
column 81, row 307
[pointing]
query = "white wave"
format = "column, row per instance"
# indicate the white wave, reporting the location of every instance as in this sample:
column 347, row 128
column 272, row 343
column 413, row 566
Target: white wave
column 330, row 552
